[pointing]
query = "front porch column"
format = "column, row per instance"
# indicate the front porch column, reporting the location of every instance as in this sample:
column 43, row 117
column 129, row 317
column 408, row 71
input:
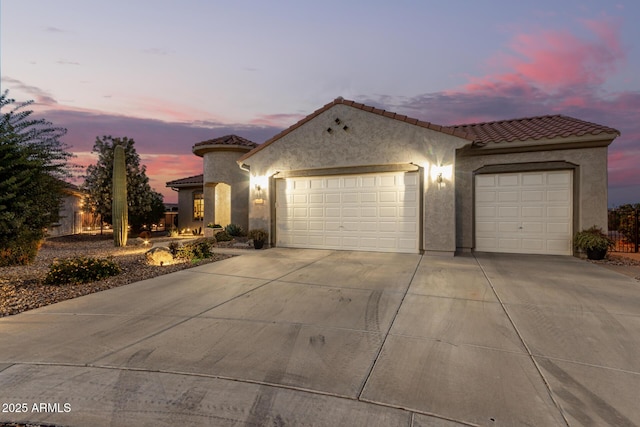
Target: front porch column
column 209, row 203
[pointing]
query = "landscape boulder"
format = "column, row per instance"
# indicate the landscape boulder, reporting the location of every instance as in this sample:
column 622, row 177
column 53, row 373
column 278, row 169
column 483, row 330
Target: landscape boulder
column 159, row 256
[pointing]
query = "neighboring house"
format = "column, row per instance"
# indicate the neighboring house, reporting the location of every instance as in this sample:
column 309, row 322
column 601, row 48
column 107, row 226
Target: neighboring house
column 351, row 176
column 221, row 194
column 71, row 215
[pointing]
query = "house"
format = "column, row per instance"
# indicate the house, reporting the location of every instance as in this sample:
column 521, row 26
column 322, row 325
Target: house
column 71, row 216
column 355, row 177
column 209, row 197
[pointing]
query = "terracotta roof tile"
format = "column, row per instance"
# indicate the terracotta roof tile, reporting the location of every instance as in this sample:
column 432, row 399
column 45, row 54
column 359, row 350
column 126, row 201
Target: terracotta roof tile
column 228, row 140
column 533, row 128
column 192, row 180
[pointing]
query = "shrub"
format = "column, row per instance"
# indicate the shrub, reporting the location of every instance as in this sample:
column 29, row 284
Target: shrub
column 174, row 232
column 592, row 239
column 199, row 249
column 234, row 230
column 21, row 250
column 174, row 247
column 80, row 270
column 258, row 234
column 223, row 236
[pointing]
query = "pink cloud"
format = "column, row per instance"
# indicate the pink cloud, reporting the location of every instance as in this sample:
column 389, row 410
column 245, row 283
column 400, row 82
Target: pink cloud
column 554, row 59
column 549, row 72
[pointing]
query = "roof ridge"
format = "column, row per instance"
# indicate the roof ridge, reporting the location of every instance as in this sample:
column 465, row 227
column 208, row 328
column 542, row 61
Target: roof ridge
column 363, row 107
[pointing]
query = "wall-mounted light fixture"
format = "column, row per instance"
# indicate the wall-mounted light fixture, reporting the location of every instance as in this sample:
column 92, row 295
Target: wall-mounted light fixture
column 259, row 199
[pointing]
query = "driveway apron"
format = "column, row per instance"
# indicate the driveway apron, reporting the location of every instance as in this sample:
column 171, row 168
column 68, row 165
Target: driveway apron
column 318, row 337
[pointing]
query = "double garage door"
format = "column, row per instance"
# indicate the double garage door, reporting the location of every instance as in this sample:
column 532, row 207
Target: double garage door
column 529, row 212
column 369, row 212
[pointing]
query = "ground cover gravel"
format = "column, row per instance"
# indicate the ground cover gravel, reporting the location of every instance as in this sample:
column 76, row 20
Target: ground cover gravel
column 22, row 288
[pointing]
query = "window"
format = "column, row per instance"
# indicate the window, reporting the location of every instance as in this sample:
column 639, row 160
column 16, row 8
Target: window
column 198, row 206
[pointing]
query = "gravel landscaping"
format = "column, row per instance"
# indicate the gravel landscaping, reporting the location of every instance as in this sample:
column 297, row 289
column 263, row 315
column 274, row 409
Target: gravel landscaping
column 22, row 288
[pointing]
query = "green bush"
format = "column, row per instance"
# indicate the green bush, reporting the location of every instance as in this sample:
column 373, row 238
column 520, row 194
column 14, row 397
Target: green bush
column 223, row 236
column 234, row 230
column 592, row 239
column 80, row 270
column 199, row 249
column 21, row 250
column 258, row 234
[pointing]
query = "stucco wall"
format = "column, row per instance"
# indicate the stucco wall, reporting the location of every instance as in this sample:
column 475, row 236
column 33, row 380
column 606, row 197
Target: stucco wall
column 369, row 139
column 185, row 208
column 590, row 176
column 220, row 166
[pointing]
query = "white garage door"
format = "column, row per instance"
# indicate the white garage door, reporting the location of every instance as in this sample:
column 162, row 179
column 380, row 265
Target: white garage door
column 529, row 212
column 372, row 212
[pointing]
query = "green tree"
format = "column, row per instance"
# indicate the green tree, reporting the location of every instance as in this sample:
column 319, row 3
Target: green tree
column 142, row 200
column 33, row 162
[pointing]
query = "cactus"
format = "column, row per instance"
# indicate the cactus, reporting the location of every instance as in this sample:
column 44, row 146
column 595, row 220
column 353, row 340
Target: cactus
column 119, row 198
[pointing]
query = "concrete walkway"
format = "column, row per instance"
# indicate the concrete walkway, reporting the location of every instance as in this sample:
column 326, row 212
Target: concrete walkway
column 327, row 338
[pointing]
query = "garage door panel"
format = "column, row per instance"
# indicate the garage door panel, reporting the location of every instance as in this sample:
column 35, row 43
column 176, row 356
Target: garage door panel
column 532, row 195
column 508, row 180
column 349, row 198
column 508, row 212
column 561, row 178
column 388, row 196
column 486, row 212
column 532, row 212
column 528, row 212
column 360, row 212
column 508, row 196
column 368, row 197
column 532, row 179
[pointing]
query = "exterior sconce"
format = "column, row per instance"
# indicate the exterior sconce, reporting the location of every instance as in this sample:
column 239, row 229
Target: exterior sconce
column 259, row 200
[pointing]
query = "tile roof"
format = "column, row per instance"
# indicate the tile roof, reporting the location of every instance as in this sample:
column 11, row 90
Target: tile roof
column 228, row 140
column 533, row 128
column 192, row 180
column 363, row 107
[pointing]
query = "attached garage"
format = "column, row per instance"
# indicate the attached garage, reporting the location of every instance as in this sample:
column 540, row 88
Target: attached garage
column 528, row 212
column 356, row 177
column 368, row 212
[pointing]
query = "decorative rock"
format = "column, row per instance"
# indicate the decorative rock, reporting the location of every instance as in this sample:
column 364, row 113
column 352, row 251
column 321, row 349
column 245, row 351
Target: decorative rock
column 159, row 256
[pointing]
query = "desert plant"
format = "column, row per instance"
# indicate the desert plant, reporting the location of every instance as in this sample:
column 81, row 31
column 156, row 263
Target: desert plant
column 80, row 270
column 174, row 232
column 223, row 236
column 593, row 241
column 259, row 234
column 234, row 230
column 199, row 249
column 120, row 209
column 174, row 247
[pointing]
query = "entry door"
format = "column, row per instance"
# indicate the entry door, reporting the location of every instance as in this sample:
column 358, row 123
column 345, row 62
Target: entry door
column 527, row 212
column 369, row 212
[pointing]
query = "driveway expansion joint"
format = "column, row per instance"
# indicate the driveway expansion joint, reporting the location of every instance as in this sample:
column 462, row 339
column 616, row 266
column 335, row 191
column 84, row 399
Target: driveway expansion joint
column 524, row 343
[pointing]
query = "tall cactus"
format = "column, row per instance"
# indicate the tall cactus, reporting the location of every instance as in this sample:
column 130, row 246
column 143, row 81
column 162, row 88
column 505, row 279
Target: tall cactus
column 119, row 198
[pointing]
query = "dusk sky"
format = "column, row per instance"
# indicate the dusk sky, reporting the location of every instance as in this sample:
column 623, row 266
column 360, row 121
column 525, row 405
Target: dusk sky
column 170, row 74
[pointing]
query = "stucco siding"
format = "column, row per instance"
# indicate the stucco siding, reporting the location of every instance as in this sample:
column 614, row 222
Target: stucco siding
column 368, row 140
column 590, row 179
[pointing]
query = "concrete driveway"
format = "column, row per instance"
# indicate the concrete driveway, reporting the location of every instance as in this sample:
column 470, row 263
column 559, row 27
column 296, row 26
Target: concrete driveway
column 326, row 338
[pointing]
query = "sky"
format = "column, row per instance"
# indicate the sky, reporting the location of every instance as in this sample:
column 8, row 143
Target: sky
column 170, row 74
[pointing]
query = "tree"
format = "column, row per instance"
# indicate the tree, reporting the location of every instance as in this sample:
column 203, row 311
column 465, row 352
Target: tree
column 142, row 200
column 33, row 163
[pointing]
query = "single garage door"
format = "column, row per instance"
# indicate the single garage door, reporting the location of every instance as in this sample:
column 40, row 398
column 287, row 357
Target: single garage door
column 528, row 212
column 370, row 212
